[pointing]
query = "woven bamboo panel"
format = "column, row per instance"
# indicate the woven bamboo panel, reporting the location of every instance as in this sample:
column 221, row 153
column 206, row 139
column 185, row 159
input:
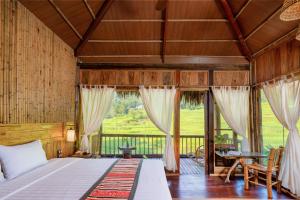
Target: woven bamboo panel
column 37, row 70
column 52, row 135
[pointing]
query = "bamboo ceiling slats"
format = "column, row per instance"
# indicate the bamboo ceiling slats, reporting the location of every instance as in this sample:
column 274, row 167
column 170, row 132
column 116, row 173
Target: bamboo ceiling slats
column 196, row 29
column 37, row 72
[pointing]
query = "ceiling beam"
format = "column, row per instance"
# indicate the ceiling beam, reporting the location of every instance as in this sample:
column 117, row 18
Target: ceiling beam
column 220, row 66
column 277, row 11
column 288, row 36
column 62, row 15
column 236, row 29
column 159, row 41
column 164, row 31
column 242, row 9
column 98, row 18
column 90, row 10
column 169, row 59
column 161, row 20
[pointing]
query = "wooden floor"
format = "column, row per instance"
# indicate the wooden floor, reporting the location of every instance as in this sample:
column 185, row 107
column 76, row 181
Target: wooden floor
column 200, row 186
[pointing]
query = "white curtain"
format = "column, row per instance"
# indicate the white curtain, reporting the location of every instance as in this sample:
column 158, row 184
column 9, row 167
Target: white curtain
column 159, row 105
column 284, row 98
column 234, row 106
column 96, row 103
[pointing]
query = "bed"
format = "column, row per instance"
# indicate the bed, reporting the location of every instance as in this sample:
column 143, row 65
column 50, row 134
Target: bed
column 71, row 178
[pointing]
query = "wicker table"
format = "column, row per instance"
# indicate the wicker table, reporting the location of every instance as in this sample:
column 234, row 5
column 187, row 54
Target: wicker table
column 239, row 159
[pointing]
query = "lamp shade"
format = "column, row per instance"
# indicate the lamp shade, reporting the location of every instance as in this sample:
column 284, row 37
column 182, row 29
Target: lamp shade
column 71, row 136
column 290, row 10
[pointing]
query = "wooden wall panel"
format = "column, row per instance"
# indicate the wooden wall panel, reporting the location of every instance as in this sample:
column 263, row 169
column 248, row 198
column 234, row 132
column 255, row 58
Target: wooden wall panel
column 37, row 70
column 282, row 60
column 158, row 77
column 188, row 78
column 231, row 78
column 127, row 77
column 193, row 78
column 52, row 135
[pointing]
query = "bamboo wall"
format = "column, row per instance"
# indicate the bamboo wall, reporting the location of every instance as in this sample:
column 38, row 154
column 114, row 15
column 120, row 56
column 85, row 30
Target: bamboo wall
column 52, row 135
column 37, row 70
column 187, row 78
column 282, row 60
column 37, row 82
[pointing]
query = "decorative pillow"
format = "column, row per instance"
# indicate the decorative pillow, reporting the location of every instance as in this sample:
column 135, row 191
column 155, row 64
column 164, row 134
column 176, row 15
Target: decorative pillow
column 19, row 159
column 1, row 175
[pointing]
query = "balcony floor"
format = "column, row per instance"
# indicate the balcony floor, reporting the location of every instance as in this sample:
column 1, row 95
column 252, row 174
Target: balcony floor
column 189, row 166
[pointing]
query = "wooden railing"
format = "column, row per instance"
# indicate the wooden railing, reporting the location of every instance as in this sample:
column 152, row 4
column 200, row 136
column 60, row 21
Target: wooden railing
column 146, row 145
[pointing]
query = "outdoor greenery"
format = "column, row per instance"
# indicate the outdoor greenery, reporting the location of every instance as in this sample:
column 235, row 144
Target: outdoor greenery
column 128, row 116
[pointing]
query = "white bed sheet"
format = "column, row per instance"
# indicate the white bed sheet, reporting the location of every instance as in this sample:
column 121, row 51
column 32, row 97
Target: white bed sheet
column 70, row 178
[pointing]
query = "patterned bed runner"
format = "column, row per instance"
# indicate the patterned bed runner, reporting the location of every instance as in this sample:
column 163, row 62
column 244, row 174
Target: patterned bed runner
column 118, row 183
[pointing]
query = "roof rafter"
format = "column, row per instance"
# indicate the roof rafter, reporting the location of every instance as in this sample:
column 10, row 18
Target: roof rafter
column 62, row 15
column 88, row 7
column 242, row 9
column 164, row 31
column 236, row 29
column 98, row 18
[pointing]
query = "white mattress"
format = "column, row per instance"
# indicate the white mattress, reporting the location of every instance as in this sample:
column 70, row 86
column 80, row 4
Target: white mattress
column 70, row 178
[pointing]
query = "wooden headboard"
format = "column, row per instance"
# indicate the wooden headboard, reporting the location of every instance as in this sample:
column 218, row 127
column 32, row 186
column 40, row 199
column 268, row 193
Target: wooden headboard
column 52, row 135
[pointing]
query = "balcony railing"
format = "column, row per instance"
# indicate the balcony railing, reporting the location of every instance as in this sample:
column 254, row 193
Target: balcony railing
column 146, row 145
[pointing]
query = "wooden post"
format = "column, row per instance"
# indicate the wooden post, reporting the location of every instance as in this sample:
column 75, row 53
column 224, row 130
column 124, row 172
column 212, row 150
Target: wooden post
column 176, row 136
column 255, row 136
column 77, row 107
column 218, row 120
column 209, row 129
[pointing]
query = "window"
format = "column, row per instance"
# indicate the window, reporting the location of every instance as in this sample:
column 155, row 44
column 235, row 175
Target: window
column 224, row 134
column 273, row 133
column 191, row 119
column 128, row 116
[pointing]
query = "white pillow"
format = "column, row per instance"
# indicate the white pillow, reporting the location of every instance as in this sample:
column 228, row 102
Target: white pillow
column 19, row 159
column 1, row 175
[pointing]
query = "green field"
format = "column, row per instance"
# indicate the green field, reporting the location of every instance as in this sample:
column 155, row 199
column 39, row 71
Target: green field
column 132, row 119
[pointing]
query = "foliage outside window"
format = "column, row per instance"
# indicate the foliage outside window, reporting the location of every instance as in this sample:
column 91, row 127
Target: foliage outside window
column 128, row 116
column 191, row 119
column 273, row 133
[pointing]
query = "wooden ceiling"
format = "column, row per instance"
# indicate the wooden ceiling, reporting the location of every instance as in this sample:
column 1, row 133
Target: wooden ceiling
column 164, row 31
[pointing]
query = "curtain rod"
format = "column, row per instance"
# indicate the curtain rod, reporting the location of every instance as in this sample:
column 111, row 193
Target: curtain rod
column 291, row 76
column 162, row 86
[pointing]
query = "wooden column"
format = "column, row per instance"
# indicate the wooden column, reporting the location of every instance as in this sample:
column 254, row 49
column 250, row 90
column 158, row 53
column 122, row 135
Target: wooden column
column 255, row 136
column 77, row 116
column 209, row 129
column 176, row 136
column 218, row 120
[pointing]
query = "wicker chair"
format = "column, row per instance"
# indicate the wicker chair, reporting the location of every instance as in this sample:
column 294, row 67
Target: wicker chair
column 199, row 155
column 254, row 171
